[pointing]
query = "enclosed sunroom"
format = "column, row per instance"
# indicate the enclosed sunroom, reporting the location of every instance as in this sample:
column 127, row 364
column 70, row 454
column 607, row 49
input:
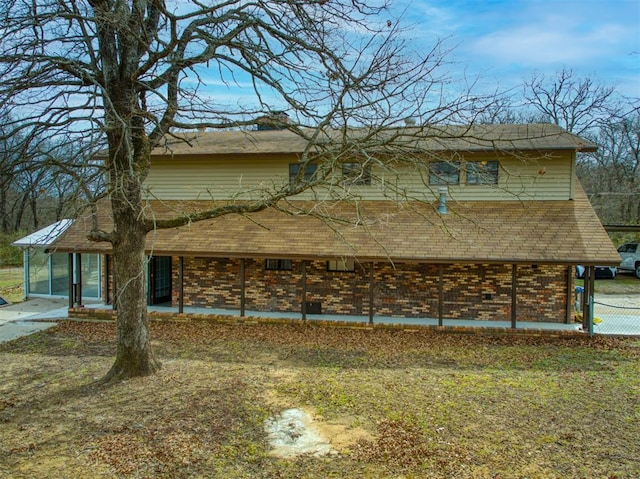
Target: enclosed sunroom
column 51, row 273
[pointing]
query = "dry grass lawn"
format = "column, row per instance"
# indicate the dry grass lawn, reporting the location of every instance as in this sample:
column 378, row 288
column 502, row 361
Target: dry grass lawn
column 11, row 284
column 395, row 404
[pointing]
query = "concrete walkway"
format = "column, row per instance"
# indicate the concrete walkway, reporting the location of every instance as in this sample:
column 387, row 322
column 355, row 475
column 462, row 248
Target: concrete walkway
column 31, row 316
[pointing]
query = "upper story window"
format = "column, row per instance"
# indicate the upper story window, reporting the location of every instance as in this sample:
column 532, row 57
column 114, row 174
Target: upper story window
column 356, row 174
column 444, row 173
column 278, row 264
column 482, row 172
column 295, row 176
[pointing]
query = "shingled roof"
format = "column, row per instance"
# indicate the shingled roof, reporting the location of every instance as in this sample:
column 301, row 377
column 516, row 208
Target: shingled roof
column 565, row 232
column 527, row 137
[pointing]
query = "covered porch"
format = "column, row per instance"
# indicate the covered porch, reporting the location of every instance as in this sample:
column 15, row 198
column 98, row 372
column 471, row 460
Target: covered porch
column 494, row 262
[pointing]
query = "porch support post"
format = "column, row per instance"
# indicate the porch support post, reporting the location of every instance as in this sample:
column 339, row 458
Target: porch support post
column 304, row 290
column 79, row 277
column 514, row 294
column 25, row 274
column 107, row 299
column 440, row 294
column 71, row 289
column 585, row 299
column 114, row 302
column 592, row 306
column 587, row 312
column 180, row 284
column 243, row 268
column 371, row 283
column 570, row 293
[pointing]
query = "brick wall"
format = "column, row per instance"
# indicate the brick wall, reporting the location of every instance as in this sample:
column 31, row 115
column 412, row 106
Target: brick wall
column 481, row 292
column 208, row 282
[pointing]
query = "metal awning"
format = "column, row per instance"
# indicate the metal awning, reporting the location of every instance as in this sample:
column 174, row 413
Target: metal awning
column 44, row 237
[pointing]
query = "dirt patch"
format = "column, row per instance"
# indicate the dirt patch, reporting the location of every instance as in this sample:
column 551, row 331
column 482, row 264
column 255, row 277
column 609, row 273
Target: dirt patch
column 341, row 434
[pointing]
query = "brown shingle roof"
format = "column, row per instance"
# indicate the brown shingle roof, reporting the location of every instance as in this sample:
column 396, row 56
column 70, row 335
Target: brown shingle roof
column 474, row 231
column 447, row 138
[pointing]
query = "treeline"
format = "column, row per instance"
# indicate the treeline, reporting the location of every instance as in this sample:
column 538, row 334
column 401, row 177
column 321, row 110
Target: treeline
column 41, row 180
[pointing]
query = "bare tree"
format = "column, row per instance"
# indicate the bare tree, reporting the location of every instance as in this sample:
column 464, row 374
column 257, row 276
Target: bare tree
column 32, row 169
column 576, row 104
column 612, row 175
column 130, row 72
column 595, row 111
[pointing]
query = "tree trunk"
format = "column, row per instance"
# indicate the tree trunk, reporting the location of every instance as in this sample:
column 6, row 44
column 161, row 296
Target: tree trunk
column 134, row 356
column 33, row 204
column 19, row 210
column 3, row 210
column 128, row 169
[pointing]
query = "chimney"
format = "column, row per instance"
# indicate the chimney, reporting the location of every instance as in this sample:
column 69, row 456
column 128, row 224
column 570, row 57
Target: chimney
column 276, row 120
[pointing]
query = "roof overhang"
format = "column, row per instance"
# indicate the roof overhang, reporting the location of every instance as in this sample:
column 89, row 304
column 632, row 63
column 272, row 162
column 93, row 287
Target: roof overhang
column 487, row 232
column 432, row 139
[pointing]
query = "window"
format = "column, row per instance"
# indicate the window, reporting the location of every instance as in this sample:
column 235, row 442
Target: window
column 341, row 265
column 444, row 173
column 482, row 173
column 356, row 174
column 628, row 248
column 278, row 264
column 294, row 171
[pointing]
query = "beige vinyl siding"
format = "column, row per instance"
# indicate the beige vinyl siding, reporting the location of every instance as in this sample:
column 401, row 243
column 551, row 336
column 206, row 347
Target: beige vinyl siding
column 245, row 177
column 197, row 178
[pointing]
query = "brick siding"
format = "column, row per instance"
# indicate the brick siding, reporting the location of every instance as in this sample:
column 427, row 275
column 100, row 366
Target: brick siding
column 481, row 292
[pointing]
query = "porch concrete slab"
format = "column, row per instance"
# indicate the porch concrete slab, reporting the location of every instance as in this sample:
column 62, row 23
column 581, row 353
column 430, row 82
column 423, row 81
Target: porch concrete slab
column 28, row 317
column 35, row 308
column 629, row 325
column 378, row 319
column 15, row 329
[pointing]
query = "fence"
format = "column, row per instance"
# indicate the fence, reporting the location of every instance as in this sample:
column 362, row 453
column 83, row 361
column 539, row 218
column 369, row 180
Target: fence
column 617, row 319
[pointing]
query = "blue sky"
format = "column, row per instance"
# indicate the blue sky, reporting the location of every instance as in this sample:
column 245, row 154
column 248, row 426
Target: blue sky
column 506, row 41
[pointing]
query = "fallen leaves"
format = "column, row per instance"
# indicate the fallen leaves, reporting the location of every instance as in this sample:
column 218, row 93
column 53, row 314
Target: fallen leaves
column 435, row 405
column 398, row 444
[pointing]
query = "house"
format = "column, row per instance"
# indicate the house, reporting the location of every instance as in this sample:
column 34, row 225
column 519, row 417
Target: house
column 483, row 223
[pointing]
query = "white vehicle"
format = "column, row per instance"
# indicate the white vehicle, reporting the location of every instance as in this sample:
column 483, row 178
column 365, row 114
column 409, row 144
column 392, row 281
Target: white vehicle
column 630, row 254
column 601, row 272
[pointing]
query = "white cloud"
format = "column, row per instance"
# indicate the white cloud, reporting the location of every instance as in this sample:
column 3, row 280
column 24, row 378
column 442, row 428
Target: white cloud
column 537, row 45
column 508, row 40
